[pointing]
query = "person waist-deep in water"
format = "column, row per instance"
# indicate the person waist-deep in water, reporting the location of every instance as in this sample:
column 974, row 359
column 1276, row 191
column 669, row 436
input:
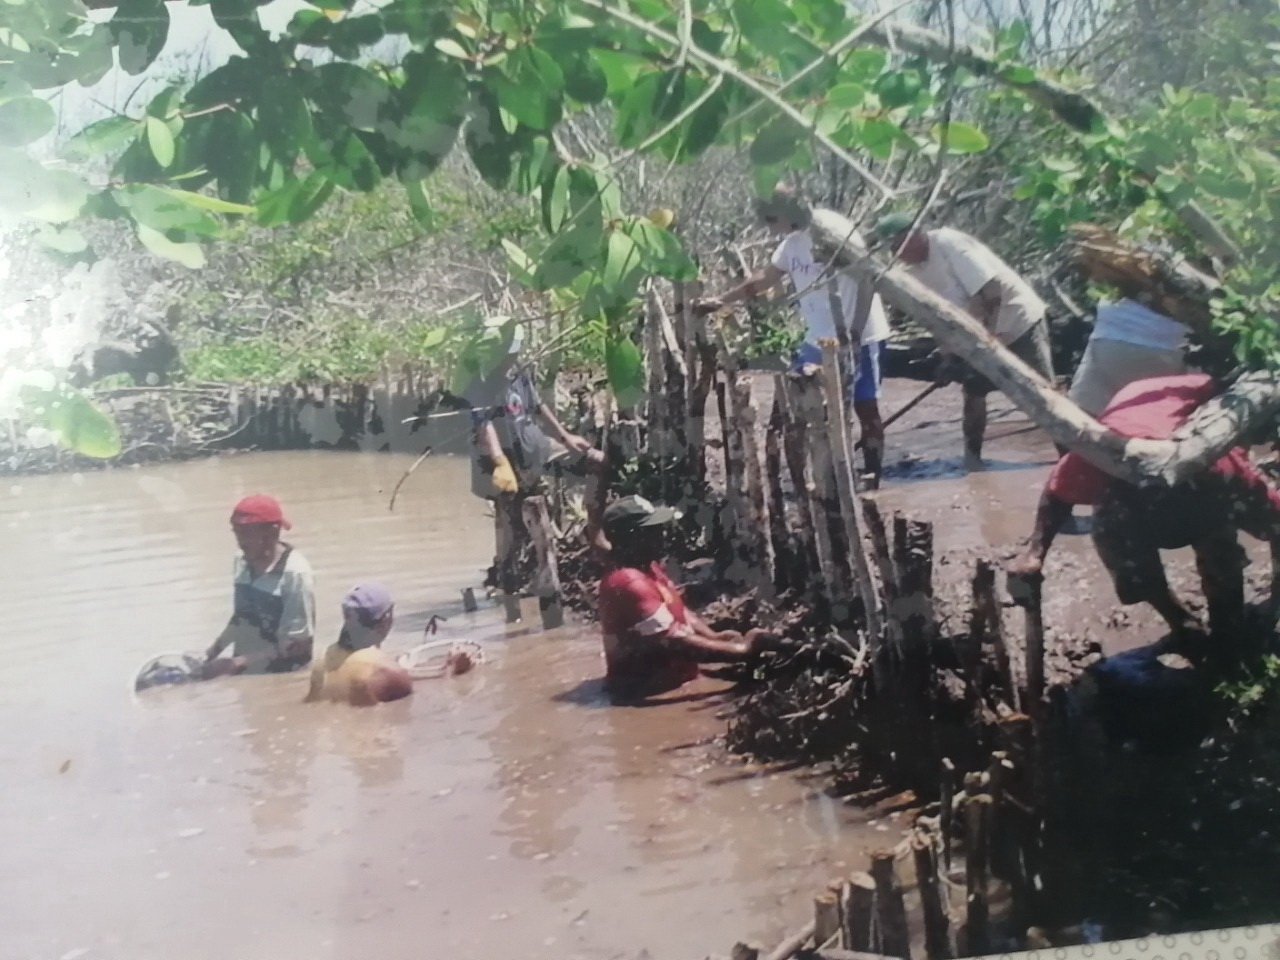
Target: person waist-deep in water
column 272, row 624
column 820, row 290
column 653, row 643
column 511, row 453
column 1132, row 524
column 355, row 669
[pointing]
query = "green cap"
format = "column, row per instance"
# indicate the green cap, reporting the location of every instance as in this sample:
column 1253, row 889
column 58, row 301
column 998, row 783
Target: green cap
column 634, row 513
column 893, row 225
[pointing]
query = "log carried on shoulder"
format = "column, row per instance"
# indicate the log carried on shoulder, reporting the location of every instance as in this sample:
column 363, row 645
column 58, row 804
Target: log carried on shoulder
column 1250, row 405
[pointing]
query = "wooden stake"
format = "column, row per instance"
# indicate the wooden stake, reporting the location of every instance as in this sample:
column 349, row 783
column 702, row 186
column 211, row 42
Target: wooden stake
column 891, row 911
column 842, row 448
column 860, row 912
column 937, row 937
column 826, row 918
column 824, row 503
column 913, row 559
column 789, row 566
column 883, row 559
column 1032, row 699
column 977, row 912
column 817, row 540
column 755, row 531
column 987, row 625
column 537, row 521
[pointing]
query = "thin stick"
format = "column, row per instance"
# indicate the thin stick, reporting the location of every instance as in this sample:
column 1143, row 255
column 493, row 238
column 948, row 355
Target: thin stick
column 789, row 947
column 405, row 476
column 905, row 408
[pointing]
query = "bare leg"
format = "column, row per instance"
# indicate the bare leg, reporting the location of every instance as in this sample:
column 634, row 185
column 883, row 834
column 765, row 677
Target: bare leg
column 872, row 427
column 975, row 425
column 1220, row 562
column 1051, row 515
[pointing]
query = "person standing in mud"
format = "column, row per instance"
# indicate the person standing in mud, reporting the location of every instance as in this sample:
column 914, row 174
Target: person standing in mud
column 273, row 622
column 653, row 643
column 511, row 454
column 1132, row 524
column 961, row 269
column 788, row 215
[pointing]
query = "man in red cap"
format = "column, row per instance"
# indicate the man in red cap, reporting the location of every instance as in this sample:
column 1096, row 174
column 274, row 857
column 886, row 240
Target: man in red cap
column 274, row 617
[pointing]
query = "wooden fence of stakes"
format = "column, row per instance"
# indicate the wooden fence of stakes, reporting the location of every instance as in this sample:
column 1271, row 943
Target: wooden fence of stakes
column 793, row 519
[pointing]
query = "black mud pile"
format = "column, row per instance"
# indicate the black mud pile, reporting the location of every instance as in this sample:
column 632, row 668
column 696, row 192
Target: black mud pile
column 1164, row 811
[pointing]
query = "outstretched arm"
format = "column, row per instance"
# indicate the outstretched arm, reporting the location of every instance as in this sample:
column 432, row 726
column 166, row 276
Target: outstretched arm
column 755, row 285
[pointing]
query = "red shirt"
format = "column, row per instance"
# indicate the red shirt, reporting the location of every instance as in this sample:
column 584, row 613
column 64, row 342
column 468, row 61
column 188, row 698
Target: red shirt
column 1151, row 409
column 638, row 609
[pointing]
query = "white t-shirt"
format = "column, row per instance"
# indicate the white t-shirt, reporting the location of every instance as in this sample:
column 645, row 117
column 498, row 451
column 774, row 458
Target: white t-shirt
column 280, row 605
column 795, row 258
column 958, row 266
column 1131, row 322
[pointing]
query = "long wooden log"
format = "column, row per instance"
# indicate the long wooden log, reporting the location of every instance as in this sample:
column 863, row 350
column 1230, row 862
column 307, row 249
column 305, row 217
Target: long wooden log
column 657, row 418
column 789, row 567
column 537, row 521
column 756, row 529
column 1251, row 405
column 796, row 447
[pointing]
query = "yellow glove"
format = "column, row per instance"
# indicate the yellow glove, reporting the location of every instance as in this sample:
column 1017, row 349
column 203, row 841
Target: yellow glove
column 504, row 478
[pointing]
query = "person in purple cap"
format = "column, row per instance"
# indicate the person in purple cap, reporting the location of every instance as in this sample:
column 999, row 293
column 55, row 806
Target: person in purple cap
column 356, row 670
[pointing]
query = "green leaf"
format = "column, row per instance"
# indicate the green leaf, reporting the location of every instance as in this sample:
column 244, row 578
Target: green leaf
column 188, row 254
column 847, row 96
column 522, row 264
column 555, row 201
column 764, row 179
column 160, row 140
column 25, row 120
column 662, row 250
column 309, row 197
column 775, row 143
column 452, row 48
column 864, row 63
column 81, row 426
column 353, row 94
column 419, row 203
column 283, row 117
column 32, row 190
column 1017, row 73
column 62, row 240
column 585, row 80
column 898, row 88
column 231, row 150
column 204, row 202
column 622, row 266
column 878, row 136
column 140, row 28
column 621, row 69
column 164, row 210
column 356, row 32
column 625, row 369
column 961, row 137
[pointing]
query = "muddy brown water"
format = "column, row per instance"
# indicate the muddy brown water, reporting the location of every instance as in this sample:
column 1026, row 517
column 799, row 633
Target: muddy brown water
column 505, row 813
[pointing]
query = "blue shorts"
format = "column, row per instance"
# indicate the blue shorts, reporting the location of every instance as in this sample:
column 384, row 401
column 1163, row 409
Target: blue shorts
column 867, row 377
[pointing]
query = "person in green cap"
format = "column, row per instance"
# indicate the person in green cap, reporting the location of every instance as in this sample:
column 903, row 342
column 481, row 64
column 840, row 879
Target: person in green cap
column 963, row 270
column 653, row 643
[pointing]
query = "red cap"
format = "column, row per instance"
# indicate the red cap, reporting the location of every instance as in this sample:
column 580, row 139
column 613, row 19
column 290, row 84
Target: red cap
column 258, row 508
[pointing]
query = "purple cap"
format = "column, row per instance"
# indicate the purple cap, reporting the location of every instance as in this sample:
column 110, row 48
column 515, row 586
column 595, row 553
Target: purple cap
column 367, row 603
